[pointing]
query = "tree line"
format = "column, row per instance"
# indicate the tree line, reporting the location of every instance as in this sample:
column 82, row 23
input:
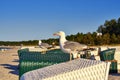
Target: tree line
column 110, row 34
column 18, row 43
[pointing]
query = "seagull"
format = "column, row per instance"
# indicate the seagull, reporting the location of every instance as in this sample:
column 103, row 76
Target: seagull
column 73, row 48
column 43, row 45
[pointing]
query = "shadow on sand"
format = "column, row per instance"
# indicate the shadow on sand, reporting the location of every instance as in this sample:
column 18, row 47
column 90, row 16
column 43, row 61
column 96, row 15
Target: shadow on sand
column 14, row 68
column 15, row 60
column 115, row 74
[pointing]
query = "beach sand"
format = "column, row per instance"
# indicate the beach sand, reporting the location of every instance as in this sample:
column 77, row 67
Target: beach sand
column 9, row 66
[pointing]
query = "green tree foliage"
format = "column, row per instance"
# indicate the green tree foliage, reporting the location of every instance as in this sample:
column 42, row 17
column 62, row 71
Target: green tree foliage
column 79, row 37
column 113, row 39
column 118, row 21
column 112, row 26
column 18, row 43
column 118, row 39
column 106, row 39
column 98, row 40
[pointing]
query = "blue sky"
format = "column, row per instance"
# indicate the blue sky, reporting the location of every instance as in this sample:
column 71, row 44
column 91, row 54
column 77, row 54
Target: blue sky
column 39, row 19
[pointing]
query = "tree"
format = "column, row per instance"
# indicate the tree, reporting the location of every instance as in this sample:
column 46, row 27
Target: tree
column 79, row 37
column 118, row 39
column 88, row 39
column 118, row 20
column 112, row 26
column 97, row 39
column 106, row 39
column 113, row 39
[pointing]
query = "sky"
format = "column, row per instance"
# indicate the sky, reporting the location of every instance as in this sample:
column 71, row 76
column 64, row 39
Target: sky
column 38, row 19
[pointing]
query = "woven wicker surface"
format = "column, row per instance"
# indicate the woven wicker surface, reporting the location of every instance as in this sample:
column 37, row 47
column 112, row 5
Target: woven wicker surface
column 35, row 60
column 77, row 69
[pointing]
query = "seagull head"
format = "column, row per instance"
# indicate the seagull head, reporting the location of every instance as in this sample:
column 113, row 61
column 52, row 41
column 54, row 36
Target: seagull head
column 60, row 33
column 40, row 42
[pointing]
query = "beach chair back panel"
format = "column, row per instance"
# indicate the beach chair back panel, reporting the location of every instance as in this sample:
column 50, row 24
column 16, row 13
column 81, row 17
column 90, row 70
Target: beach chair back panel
column 97, row 72
column 80, row 69
column 107, row 54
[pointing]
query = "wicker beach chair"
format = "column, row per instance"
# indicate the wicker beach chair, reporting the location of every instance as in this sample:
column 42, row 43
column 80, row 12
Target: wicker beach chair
column 79, row 69
column 108, row 56
column 21, row 51
column 35, row 60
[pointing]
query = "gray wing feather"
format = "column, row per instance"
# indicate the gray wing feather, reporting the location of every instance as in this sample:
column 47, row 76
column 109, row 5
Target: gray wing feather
column 45, row 45
column 73, row 45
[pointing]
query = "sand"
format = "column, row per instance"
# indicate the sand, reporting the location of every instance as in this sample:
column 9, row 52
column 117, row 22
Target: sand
column 9, row 66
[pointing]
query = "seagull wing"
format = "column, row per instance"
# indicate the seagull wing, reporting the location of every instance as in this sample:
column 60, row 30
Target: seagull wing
column 73, row 45
column 45, row 45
